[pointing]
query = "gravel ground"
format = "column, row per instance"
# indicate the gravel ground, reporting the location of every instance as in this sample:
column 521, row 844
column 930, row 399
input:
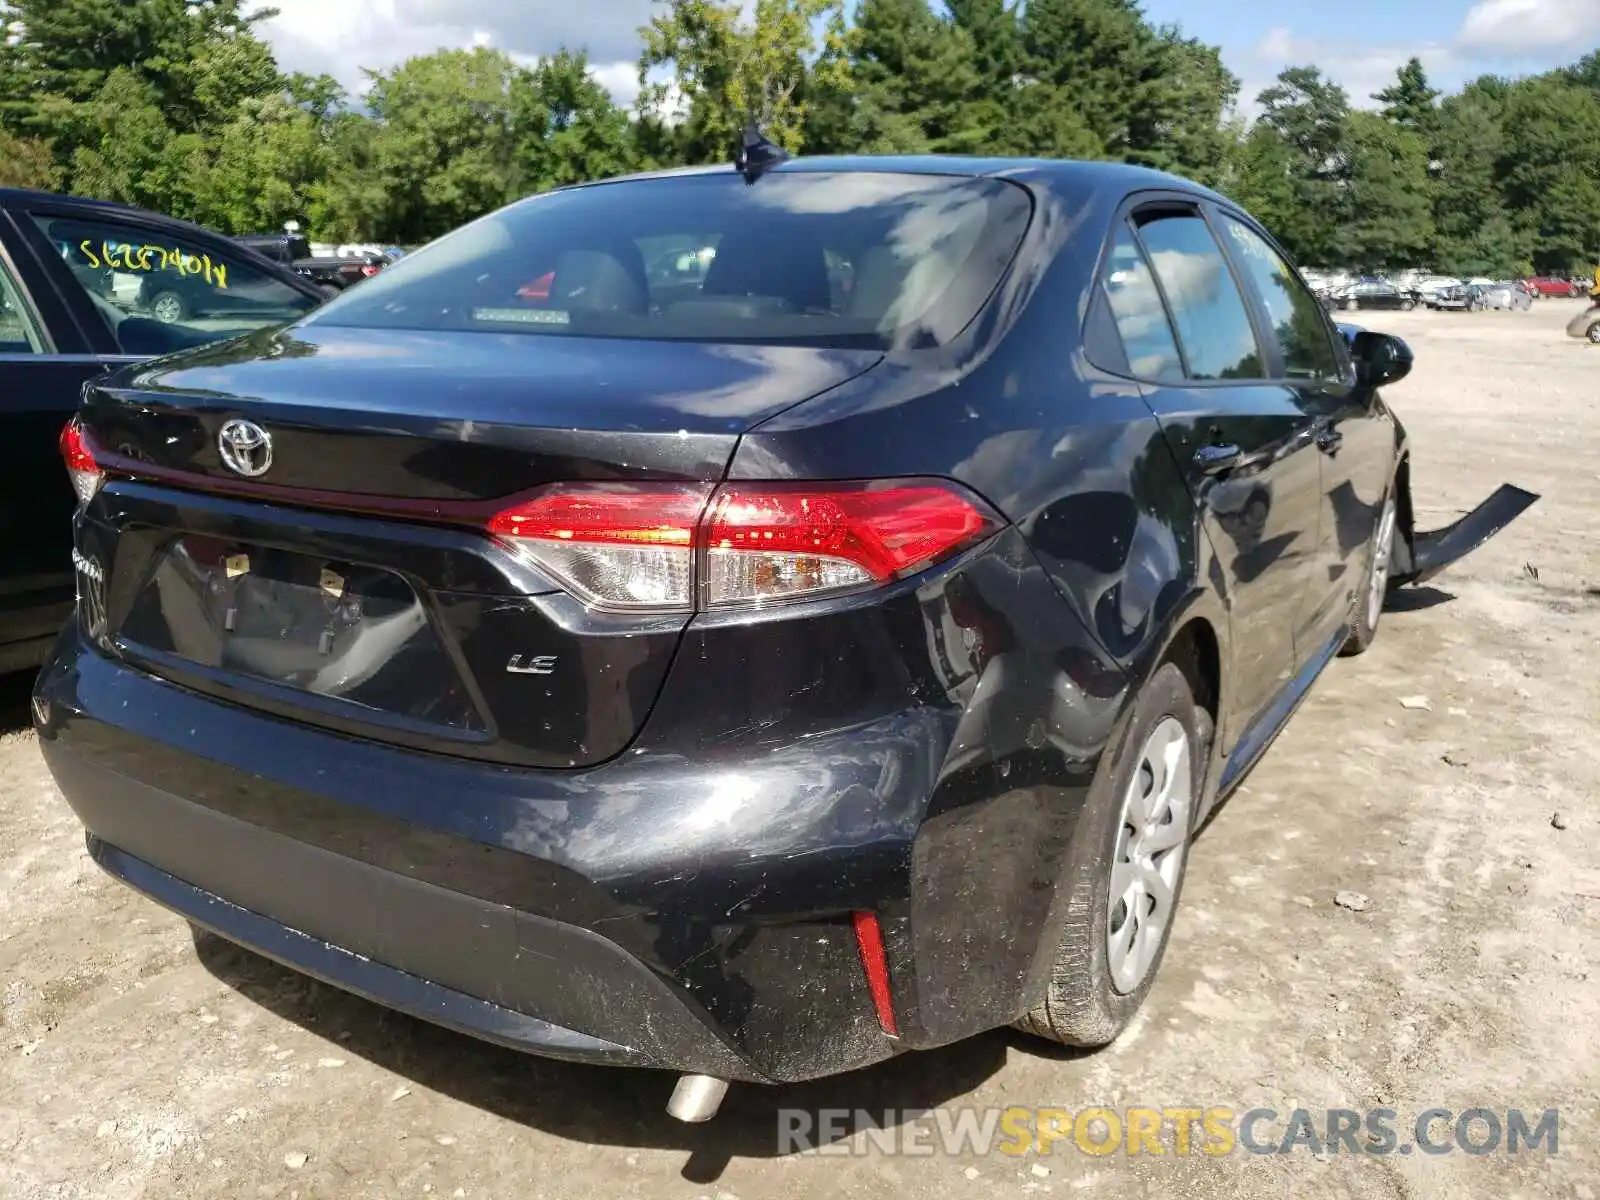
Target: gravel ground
column 138, row 1062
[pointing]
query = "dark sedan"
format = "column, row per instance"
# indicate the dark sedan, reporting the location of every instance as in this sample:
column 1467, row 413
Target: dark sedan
column 77, row 281
column 754, row 680
column 1375, row 294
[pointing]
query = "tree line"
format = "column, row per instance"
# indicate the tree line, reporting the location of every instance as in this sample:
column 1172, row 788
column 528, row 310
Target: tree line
column 182, row 107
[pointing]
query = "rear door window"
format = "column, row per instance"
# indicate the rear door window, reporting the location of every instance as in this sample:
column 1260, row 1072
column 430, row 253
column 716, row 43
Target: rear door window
column 1214, row 326
column 849, row 259
column 158, row 292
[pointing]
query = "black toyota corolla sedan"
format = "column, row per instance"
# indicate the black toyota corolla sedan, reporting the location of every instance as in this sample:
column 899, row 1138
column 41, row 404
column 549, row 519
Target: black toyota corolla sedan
column 819, row 646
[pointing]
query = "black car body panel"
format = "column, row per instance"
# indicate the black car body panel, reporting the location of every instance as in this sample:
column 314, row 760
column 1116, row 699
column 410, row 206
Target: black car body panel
column 668, row 872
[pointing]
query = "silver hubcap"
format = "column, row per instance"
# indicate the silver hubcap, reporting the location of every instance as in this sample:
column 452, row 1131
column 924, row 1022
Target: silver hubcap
column 167, row 310
column 1152, row 838
column 1383, row 544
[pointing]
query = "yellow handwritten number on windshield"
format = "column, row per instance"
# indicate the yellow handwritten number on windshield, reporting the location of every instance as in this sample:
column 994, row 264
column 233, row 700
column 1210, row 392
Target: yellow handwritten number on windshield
column 124, row 257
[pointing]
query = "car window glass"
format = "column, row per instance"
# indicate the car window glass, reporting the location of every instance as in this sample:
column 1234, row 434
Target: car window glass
column 1213, row 324
column 848, row 259
column 158, row 292
column 1147, row 337
column 17, row 333
column 1298, row 323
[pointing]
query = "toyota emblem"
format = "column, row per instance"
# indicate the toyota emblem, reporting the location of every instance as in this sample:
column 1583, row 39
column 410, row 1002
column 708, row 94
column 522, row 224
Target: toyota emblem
column 245, row 447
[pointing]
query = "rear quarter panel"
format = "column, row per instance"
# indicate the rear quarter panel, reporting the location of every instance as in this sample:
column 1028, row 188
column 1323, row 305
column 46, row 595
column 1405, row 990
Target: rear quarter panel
column 1074, row 458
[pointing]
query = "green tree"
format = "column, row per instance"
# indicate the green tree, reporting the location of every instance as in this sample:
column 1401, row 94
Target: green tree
column 197, row 59
column 1550, row 170
column 1102, row 60
column 1259, row 174
column 1474, row 234
column 27, row 163
column 1311, row 116
column 1193, row 140
column 444, row 149
column 916, row 84
column 1388, row 195
column 733, row 72
column 567, row 127
column 1409, row 101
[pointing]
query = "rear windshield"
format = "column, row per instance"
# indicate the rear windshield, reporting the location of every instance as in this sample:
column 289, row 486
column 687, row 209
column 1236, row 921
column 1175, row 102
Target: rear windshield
column 840, row 259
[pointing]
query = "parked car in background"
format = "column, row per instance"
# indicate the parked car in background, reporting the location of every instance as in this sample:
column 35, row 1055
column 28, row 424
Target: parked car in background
column 1456, row 296
column 1551, row 285
column 1371, row 293
column 754, row 673
column 1507, row 294
column 1586, row 325
column 1429, row 286
column 74, row 284
column 334, row 272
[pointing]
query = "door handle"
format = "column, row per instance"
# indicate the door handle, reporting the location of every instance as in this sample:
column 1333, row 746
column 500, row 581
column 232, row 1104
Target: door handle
column 1218, row 457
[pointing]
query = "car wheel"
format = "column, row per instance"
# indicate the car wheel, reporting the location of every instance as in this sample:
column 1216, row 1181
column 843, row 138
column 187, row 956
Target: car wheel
column 1125, row 869
column 1367, row 610
column 1407, row 305
column 1594, row 333
column 169, row 308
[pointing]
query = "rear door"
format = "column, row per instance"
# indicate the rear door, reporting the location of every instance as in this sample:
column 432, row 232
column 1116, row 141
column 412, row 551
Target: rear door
column 1244, row 442
column 44, row 360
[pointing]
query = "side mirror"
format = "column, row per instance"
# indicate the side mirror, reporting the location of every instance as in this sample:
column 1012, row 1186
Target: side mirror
column 1380, row 358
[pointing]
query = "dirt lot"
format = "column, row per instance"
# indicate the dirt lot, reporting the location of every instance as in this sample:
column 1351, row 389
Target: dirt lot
column 135, row 1063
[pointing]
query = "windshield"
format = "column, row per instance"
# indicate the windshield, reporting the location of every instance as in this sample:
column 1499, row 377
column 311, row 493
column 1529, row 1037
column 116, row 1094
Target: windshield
column 838, row 259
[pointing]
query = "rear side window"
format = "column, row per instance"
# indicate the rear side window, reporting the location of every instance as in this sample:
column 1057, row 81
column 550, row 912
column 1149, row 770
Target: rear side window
column 1213, row 324
column 1298, row 322
column 1136, row 305
column 159, row 292
column 848, row 259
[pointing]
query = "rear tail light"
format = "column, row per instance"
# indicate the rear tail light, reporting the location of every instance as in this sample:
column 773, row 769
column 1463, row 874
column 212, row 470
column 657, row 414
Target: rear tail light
column 772, row 542
column 614, row 545
column 82, row 469
column 638, row 547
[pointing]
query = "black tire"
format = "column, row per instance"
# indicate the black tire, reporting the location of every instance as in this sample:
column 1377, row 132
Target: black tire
column 1594, row 333
column 1407, row 305
column 1364, row 616
column 1082, row 1006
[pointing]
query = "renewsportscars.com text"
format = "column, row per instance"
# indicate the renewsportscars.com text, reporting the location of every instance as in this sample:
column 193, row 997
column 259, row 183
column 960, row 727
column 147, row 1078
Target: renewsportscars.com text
column 1168, row 1130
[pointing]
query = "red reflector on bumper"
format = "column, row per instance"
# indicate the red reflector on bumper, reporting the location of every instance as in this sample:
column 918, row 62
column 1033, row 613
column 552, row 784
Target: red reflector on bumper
column 869, row 941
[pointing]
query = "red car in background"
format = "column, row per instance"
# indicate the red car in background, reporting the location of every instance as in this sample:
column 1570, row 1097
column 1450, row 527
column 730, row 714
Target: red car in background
column 1547, row 285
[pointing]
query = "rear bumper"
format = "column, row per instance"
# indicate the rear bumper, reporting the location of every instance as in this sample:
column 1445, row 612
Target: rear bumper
column 688, row 904
column 375, row 981
column 533, row 909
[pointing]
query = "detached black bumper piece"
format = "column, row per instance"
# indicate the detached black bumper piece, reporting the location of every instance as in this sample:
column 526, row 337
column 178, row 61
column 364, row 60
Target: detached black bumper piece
column 1433, row 551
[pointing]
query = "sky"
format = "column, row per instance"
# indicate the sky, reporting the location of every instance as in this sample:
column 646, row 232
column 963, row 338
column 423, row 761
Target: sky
column 1359, row 43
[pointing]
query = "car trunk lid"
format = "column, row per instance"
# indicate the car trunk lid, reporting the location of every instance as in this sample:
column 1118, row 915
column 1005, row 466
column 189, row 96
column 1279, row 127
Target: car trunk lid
column 353, row 582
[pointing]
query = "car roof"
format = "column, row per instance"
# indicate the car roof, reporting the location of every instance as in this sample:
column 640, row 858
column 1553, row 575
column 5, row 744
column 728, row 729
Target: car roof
column 21, row 197
column 1066, row 175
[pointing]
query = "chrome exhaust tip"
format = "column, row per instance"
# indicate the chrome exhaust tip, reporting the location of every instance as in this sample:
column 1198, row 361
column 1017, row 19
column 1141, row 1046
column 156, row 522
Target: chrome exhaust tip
column 696, row 1098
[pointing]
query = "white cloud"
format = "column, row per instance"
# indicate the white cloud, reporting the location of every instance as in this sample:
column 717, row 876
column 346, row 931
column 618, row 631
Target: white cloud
column 1510, row 28
column 341, row 37
column 1361, row 69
